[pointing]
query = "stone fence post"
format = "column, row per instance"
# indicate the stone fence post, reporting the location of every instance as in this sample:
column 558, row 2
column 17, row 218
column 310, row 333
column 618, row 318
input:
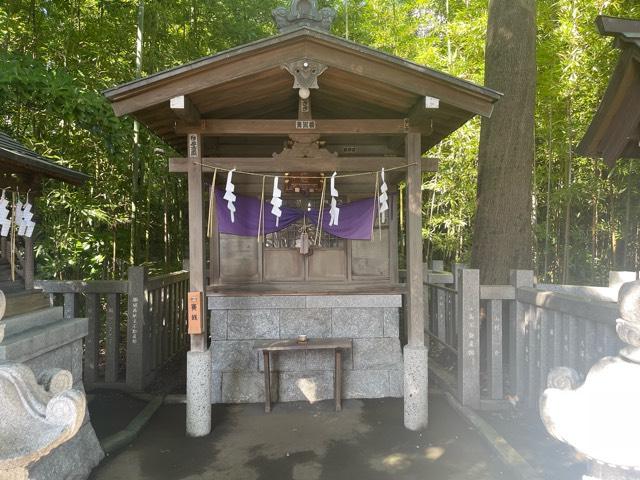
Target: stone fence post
column 518, row 372
column 468, row 328
column 138, row 329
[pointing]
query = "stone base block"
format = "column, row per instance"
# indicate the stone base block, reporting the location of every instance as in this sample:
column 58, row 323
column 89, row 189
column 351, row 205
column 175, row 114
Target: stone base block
column 73, row 460
column 246, row 387
column 305, row 386
column 198, row 393
column 365, row 384
column 416, row 413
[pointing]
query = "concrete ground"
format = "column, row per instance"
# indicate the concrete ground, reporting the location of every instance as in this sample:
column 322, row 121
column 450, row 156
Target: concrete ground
column 300, row 441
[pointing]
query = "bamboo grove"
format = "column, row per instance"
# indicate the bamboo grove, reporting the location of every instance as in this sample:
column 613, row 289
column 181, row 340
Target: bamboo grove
column 57, row 56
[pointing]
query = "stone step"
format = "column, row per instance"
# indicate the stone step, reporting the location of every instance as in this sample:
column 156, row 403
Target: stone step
column 21, row 323
column 25, row 301
column 37, row 341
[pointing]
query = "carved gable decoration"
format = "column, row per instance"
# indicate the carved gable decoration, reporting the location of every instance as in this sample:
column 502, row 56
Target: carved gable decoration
column 303, row 13
column 305, row 147
column 305, row 73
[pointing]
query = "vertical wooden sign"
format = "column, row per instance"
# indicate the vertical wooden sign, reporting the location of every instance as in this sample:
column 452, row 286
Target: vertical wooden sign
column 195, row 320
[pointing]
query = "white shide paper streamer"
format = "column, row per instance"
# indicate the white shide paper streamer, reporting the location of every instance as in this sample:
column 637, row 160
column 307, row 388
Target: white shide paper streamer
column 276, row 201
column 383, row 199
column 334, row 212
column 230, row 197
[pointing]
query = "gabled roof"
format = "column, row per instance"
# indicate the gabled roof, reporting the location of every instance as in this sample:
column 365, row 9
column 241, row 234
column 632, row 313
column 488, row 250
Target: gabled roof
column 248, row 82
column 19, row 159
column 614, row 131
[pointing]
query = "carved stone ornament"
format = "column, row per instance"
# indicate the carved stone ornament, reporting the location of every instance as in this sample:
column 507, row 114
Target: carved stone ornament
column 303, row 13
column 305, row 75
column 601, row 418
column 35, row 419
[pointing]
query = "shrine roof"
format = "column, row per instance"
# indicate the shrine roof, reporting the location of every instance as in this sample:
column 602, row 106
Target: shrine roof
column 614, row 131
column 249, row 82
column 19, row 159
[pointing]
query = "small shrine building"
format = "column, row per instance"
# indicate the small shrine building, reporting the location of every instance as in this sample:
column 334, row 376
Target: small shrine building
column 294, row 147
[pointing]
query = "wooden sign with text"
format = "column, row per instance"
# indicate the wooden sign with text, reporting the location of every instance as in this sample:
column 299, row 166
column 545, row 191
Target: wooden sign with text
column 195, row 316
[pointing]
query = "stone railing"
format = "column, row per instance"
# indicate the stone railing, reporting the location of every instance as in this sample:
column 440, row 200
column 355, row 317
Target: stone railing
column 136, row 326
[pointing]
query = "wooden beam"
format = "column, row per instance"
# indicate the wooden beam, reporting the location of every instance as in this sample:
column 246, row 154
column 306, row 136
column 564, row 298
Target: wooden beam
column 415, row 274
column 185, row 110
column 268, row 165
column 264, row 150
column 269, row 127
column 613, row 25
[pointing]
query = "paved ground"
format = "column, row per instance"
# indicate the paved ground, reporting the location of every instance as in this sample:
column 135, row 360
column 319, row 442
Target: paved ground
column 311, row 442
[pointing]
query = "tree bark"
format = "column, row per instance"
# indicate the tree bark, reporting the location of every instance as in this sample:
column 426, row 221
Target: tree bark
column 502, row 238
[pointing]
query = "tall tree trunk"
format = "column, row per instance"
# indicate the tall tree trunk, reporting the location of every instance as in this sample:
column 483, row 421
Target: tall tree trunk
column 502, row 237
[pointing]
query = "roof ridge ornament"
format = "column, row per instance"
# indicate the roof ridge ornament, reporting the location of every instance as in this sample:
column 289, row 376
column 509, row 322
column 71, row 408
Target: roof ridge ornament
column 305, row 73
column 303, row 13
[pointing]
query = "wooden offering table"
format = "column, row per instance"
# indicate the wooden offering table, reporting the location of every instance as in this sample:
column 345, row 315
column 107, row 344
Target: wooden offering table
column 335, row 344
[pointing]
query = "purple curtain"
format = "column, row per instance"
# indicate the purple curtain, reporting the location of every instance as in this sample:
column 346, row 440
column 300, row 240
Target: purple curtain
column 355, row 222
column 248, row 216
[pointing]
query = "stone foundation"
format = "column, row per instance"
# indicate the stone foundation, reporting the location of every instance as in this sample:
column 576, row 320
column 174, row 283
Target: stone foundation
column 373, row 369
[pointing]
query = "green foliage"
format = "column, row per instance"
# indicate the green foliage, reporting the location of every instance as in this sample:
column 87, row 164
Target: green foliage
column 57, row 57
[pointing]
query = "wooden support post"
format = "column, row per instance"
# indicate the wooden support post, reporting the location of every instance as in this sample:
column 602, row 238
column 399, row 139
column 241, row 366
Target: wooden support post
column 416, row 401
column 196, row 231
column 29, row 263
column 137, row 344
column 468, row 320
column 517, row 345
column 199, row 374
column 414, row 242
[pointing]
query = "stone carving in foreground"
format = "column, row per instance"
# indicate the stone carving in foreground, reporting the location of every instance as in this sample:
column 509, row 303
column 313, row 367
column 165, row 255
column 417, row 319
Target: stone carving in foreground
column 37, row 416
column 601, row 418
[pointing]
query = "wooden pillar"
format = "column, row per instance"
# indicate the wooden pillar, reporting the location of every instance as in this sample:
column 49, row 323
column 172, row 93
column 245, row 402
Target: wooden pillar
column 196, row 232
column 416, row 386
column 416, row 305
column 29, row 263
column 199, row 375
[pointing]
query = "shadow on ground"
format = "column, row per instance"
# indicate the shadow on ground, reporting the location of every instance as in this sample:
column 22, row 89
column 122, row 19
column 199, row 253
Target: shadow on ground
column 312, row 442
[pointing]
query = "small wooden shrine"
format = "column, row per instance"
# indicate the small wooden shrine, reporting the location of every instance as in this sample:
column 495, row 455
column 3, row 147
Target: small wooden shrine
column 21, row 174
column 287, row 143
column 614, row 132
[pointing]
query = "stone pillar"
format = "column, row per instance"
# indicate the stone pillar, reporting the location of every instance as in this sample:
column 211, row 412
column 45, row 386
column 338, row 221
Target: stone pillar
column 198, row 393
column 416, row 413
column 437, row 265
column 198, row 359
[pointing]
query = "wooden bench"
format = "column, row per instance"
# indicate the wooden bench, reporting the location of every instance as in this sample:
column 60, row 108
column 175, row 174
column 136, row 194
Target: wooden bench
column 273, row 346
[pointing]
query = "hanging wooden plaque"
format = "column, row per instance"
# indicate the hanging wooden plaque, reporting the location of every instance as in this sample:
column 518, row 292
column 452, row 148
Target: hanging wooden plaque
column 195, row 314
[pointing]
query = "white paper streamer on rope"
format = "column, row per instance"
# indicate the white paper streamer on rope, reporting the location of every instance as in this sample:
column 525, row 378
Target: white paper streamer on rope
column 5, row 215
column 276, row 201
column 27, row 224
column 230, row 197
column 383, row 198
column 334, row 212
